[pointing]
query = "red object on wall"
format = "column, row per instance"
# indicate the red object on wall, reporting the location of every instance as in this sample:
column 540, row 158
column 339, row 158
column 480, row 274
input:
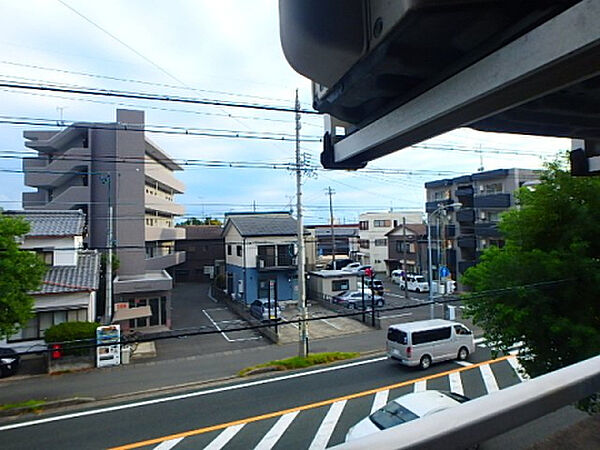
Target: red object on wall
column 56, row 351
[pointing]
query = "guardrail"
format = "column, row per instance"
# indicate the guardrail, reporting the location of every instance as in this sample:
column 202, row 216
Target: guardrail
column 480, row 419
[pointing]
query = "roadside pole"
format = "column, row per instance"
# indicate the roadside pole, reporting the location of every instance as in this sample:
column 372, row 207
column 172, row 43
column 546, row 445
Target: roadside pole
column 404, row 258
column 362, row 277
column 303, row 344
column 330, row 192
column 431, row 307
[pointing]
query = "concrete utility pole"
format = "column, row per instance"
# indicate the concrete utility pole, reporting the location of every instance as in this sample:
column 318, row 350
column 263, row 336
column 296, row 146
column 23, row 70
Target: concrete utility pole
column 430, row 265
column 404, row 257
column 303, row 329
column 330, row 192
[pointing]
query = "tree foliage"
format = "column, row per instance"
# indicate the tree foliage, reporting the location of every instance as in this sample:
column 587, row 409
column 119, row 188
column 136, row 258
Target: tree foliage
column 205, row 221
column 542, row 287
column 20, row 271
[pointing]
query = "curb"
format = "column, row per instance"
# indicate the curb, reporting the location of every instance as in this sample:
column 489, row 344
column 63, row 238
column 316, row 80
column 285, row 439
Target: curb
column 47, row 405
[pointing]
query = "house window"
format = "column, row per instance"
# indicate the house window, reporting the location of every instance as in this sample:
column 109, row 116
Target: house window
column 238, row 250
column 492, row 188
column 340, row 285
column 380, row 242
column 363, row 225
column 382, row 223
column 401, row 245
column 229, row 249
column 363, row 243
column 47, row 257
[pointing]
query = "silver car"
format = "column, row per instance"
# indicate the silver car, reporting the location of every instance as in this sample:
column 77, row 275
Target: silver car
column 354, row 299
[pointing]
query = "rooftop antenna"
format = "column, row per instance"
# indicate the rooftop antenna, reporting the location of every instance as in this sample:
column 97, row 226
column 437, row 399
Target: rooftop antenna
column 481, row 168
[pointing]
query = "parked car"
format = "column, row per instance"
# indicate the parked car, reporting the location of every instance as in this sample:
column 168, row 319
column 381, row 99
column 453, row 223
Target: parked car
column 352, row 267
column 404, row 409
column 416, row 283
column 353, row 299
column 339, row 264
column 9, row 362
column 361, row 269
column 376, row 285
column 260, row 309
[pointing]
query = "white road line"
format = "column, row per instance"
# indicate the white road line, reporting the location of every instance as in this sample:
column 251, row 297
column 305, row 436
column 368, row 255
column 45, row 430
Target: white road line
column 488, row 378
column 332, row 324
column 325, row 430
column 271, row 438
column 456, row 383
column 216, row 326
column 396, row 316
column 188, row 395
column 479, row 340
column 518, row 368
column 380, row 400
column 224, row 437
column 167, row 445
column 464, row 363
column 420, row 386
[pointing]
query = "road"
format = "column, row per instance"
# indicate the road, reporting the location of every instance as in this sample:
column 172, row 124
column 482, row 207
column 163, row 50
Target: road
column 282, row 411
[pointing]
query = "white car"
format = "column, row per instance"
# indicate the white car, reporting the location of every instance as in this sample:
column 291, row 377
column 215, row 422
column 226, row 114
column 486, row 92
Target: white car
column 416, row 283
column 404, row 409
column 352, row 267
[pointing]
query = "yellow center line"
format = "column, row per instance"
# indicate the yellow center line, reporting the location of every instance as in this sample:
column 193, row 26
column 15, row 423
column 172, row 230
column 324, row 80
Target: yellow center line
column 304, row 407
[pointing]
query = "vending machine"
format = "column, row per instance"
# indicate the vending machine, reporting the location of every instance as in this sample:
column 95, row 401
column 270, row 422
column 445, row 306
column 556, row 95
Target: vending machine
column 108, row 352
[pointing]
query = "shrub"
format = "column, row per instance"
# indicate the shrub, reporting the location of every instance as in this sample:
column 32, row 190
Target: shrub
column 73, row 334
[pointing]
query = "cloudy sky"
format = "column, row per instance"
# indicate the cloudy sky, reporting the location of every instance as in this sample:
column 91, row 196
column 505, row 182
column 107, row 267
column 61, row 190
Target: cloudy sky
column 225, row 50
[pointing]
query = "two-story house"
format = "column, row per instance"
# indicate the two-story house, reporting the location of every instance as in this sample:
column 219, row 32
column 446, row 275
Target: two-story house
column 410, row 242
column 373, row 227
column 68, row 289
column 260, row 255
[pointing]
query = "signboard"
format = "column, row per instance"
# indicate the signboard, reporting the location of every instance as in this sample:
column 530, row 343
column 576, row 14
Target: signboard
column 109, row 354
column 444, row 272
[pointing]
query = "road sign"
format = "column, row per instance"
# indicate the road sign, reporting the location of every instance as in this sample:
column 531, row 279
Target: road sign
column 444, row 272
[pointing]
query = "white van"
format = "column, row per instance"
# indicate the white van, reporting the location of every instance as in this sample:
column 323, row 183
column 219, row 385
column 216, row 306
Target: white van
column 416, row 283
column 426, row 341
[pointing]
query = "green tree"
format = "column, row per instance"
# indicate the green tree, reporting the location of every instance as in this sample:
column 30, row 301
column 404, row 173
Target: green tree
column 20, row 271
column 542, row 287
column 195, row 221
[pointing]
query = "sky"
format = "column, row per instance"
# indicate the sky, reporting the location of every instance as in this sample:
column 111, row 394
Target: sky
column 227, row 50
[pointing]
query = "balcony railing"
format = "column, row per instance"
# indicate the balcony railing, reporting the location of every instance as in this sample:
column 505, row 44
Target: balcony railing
column 487, row 230
column 467, row 241
column 465, row 215
column 279, row 262
column 492, row 201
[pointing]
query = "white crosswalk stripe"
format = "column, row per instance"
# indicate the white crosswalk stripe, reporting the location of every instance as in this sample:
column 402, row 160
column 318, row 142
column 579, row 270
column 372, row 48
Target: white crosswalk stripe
column 456, row 383
column 420, row 386
column 326, row 428
column 224, row 437
column 380, row 400
column 275, row 433
column 488, row 378
column 167, row 445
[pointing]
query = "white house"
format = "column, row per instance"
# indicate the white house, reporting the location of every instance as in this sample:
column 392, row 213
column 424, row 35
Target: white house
column 68, row 290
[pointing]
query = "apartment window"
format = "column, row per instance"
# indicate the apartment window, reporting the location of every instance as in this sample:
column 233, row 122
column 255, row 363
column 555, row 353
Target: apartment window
column 441, row 195
column 238, row 250
column 492, row 188
column 229, row 249
column 493, row 216
column 382, row 223
column 363, row 243
column 380, row 242
column 401, row 245
column 363, row 225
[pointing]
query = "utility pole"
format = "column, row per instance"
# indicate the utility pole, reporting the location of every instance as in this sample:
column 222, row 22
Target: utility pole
column 303, row 344
column 404, row 258
column 431, row 306
column 330, row 192
column 106, row 179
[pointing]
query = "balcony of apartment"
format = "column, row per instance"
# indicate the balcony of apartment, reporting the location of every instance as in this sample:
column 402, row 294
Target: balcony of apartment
column 432, row 206
column 165, row 261
column 467, row 241
column 487, row 230
column 465, row 215
column 158, row 203
column 464, row 191
column 41, row 172
column 272, row 262
column 158, row 173
column 492, row 201
column 164, row 234
column 74, row 195
column 33, row 200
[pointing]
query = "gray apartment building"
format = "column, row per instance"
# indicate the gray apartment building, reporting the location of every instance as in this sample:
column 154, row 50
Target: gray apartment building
column 204, row 246
column 94, row 166
column 465, row 232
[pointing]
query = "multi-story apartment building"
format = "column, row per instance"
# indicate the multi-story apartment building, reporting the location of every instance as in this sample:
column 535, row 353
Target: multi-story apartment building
column 468, row 230
column 373, row 227
column 68, row 289
column 260, row 256
column 100, row 166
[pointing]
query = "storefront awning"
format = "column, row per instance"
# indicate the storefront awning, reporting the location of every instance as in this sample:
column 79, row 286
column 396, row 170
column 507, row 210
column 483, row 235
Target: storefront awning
column 132, row 313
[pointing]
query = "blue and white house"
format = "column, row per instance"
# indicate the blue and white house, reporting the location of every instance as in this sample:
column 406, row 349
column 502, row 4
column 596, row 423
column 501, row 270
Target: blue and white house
column 260, row 256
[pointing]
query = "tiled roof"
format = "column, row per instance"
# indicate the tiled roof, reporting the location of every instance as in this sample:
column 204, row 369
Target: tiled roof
column 203, row 232
column 265, row 225
column 52, row 223
column 85, row 276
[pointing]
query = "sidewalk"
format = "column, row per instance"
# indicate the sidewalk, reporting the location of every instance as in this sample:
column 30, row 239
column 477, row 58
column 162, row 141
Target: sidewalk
column 136, row 378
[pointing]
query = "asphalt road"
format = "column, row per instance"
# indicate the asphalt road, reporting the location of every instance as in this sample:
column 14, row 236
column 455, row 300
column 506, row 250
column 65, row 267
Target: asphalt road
column 253, row 413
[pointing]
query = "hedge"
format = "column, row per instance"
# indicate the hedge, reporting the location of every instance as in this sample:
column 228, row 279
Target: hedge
column 72, row 331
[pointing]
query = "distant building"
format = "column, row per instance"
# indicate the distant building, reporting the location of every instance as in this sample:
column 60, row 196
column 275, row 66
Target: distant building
column 373, row 227
column 319, row 245
column 68, row 290
column 260, row 256
column 91, row 166
column 467, row 231
column 203, row 245
column 415, row 245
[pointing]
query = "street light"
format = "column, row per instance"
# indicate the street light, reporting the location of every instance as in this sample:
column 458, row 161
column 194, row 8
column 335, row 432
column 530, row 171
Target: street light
column 439, row 209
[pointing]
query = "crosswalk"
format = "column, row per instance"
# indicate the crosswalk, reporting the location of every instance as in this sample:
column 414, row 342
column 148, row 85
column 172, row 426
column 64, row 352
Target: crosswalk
column 327, row 423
